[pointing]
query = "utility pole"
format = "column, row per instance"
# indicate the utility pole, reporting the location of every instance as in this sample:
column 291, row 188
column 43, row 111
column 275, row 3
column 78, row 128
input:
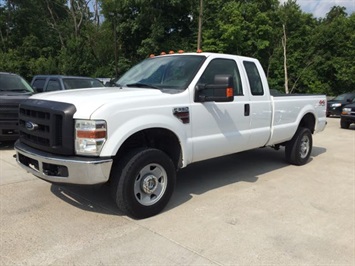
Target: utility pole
column 116, row 49
column 199, row 35
column 114, row 18
column 284, row 45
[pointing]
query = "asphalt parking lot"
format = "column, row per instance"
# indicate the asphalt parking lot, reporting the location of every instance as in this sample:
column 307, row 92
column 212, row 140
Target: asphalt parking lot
column 250, row 208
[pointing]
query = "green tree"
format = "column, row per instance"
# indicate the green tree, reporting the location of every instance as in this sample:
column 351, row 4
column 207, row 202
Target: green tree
column 293, row 55
column 334, row 45
column 105, row 39
column 146, row 27
column 29, row 35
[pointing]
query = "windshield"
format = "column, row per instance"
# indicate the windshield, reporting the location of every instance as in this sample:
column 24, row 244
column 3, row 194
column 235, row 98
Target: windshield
column 343, row 97
column 79, row 83
column 14, row 83
column 165, row 73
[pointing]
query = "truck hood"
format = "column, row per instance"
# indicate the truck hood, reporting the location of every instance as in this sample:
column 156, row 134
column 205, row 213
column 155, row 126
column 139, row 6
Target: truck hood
column 13, row 97
column 87, row 101
column 351, row 105
column 23, row 94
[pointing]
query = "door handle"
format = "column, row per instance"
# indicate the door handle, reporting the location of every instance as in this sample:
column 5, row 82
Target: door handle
column 246, row 109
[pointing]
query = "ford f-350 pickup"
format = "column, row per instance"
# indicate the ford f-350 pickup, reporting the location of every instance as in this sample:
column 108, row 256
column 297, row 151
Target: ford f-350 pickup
column 165, row 113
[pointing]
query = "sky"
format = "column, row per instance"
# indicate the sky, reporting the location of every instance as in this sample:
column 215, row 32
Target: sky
column 319, row 8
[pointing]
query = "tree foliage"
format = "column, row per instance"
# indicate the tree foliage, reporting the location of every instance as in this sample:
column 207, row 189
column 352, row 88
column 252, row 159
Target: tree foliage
column 106, row 37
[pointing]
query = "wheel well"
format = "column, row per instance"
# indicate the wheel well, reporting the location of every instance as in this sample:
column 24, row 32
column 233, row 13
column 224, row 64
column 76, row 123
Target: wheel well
column 308, row 121
column 158, row 138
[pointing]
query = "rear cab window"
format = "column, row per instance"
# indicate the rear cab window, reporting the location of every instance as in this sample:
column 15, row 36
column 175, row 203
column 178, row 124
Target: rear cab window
column 256, row 86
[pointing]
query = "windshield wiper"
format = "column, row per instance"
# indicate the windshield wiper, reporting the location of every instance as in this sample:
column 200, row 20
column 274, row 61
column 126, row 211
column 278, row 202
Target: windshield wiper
column 19, row 90
column 142, row 85
column 16, row 90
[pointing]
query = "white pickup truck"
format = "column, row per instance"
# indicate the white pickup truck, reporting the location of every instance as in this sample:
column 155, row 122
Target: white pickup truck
column 165, row 113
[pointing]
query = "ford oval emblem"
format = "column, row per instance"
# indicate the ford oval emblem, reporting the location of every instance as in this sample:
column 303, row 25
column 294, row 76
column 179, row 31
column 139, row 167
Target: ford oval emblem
column 31, row 126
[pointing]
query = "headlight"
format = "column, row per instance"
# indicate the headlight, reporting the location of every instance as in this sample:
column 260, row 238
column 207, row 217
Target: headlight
column 90, row 136
column 336, row 104
column 346, row 111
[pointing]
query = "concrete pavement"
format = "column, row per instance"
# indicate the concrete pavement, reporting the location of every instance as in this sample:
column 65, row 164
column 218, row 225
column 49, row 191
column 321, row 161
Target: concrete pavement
column 250, row 208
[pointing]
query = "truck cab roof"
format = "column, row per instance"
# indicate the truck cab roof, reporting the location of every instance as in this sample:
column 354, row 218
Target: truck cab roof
column 46, row 83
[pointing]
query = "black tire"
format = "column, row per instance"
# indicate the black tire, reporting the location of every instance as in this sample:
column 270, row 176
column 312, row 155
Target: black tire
column 142, row 182
column 299, row 148
column 344, row 124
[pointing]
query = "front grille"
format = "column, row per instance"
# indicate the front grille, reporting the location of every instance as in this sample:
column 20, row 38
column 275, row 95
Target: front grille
column 8, row 111
column 47, row 126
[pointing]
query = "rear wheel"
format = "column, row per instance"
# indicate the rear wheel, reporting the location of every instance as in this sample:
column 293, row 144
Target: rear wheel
column 344, row 124
column 143, row 182
column 299, row 148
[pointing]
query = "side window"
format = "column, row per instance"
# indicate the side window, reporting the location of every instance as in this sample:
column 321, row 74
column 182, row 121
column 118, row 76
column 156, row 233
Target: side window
column 38, row 84
column 256, row 86
column 222, row 67
column 53, row 85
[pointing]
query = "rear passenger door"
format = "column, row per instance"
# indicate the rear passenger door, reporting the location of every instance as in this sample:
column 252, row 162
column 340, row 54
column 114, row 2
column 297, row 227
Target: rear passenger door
column 260, row 105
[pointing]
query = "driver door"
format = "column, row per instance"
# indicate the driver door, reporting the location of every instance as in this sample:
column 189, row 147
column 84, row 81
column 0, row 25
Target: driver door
column 220, row 128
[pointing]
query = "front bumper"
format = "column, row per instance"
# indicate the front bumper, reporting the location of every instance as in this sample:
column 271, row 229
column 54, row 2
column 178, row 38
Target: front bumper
column 8, row 130
column 63, row 169
column 348, row 118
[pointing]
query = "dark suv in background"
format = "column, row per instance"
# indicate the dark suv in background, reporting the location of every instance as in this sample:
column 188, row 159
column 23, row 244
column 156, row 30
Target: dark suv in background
column 13, row 90
column 348, row 115
column 335, row 106
column 46, row 83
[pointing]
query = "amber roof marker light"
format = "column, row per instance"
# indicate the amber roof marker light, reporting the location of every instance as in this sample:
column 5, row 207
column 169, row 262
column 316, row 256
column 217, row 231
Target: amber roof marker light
column 173, row 52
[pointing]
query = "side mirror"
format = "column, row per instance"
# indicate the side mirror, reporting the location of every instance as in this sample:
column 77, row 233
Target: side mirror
column 37, row 90
column 221, row 90
column 34, row 89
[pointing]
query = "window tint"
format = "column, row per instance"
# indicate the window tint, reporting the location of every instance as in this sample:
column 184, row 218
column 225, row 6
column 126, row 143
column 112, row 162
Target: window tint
column 79, row 83
column 39, row 84
column 344, row 97
column 256, row 86
column 53, row 85
column 222, row 67
column 11, row 82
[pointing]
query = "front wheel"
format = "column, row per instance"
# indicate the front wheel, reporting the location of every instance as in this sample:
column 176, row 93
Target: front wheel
column 344, row 124
column 143, row 182
column 299, row 148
